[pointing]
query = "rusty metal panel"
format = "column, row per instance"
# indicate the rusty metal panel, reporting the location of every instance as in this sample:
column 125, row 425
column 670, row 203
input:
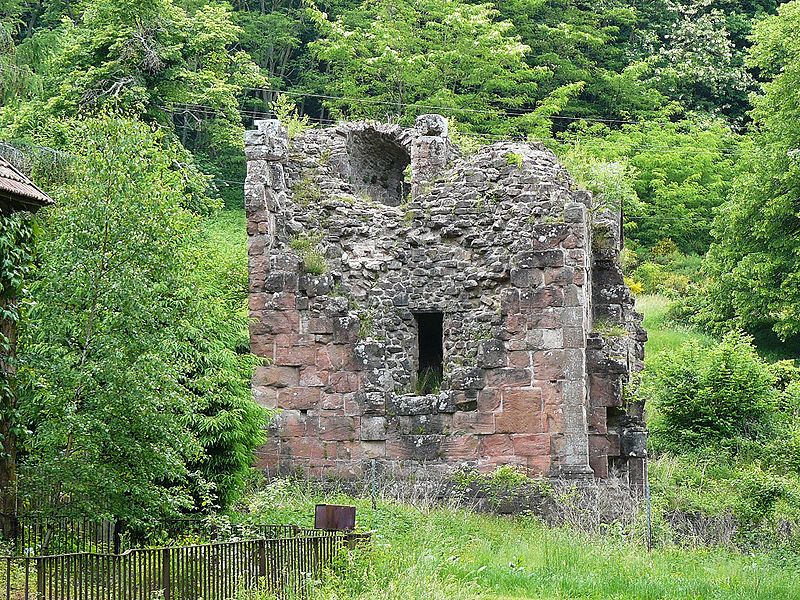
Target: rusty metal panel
column 333, row 517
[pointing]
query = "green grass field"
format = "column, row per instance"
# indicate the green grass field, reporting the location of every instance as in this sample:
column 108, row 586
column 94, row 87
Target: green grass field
column 662, row 335
column 453, row 554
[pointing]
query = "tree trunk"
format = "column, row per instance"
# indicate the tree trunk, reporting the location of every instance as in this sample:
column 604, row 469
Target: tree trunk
column 8, row 405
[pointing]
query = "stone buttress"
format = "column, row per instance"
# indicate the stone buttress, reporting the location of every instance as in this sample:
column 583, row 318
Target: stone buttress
column 426, row 309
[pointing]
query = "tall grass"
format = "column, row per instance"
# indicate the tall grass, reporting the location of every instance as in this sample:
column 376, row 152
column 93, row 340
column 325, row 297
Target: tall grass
column 441, row 553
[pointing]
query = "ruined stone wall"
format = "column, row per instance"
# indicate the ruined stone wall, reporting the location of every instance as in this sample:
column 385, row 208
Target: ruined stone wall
column 347, row 246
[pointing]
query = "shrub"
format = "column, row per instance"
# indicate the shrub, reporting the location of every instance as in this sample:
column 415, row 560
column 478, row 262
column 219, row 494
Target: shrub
column 705, row 395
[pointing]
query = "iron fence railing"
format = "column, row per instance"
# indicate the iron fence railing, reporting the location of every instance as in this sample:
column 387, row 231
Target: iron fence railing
column 213, row 571
column 39, row 535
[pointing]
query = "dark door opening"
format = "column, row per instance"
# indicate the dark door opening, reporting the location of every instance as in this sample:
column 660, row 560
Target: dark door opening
column 431, row 355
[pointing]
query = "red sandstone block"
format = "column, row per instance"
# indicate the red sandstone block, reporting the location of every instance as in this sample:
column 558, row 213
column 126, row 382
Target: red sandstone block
column 531, row 444
column 516, row 323
column 539, row 466
column 276, row 321
column 397, row 447
column 522, row 412
column 266, row 397
column 304, row 447
column 495, row 445
column 338, row 428
column 275, row 376
column 473, row 422
column 552, row 393
column 263, row 346
column 291, row 424
column 519, row 358
column 522, row 399
column 607, row 444
column 332, row 402
column 599, row 465
column 295, row 355
column 344, row 382
column 298, row 398
column 605, row 390
column 376, row 449
column 596, row 420
column 548, row 365
column 312, row 377
column 580, row 277
column 546, row 318
column 508, row 377
column 320, row 325
column 489, row 400
column 554, row 420
column 460, row 447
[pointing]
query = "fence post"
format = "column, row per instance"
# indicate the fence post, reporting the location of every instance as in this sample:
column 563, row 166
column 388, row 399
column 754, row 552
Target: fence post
column 40, row 578
column 262, row 558
column 165, row 582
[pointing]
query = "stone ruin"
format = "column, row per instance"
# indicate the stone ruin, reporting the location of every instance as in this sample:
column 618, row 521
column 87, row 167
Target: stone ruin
column 432, row 311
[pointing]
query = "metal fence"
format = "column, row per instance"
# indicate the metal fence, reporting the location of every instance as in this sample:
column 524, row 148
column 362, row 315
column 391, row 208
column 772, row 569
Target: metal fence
column 214, row 571
column 39, row 535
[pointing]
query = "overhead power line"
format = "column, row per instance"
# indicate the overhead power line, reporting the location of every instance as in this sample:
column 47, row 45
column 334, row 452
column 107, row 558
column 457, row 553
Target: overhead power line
column 515, row 112
column 180, row 107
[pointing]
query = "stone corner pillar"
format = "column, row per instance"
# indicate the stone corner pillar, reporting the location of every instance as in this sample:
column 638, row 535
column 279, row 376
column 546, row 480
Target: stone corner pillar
column 266, row 149
column 430, row 151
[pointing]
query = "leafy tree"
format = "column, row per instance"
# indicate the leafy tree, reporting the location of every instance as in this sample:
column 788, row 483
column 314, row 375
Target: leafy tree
column 129, row 373
column 587, row 43
column 447, row 53
column 678, row 173
column 753, row 265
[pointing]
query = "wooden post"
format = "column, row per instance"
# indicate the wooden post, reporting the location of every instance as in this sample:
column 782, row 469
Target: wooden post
column 262, row 558
column 165, row 582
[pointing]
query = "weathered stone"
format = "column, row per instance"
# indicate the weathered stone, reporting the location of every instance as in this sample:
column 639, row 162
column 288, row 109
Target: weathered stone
column 452, row 321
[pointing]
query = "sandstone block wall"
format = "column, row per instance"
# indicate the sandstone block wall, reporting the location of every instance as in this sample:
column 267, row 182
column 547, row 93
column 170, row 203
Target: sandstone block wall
column 357, row 230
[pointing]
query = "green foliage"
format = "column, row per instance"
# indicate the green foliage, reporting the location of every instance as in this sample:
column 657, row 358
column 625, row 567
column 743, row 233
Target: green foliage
column 513, row 159
column 136, row 396
column 668, row 178
column 448, row 53
column 753, row 266
column 706, row 395
column 286, row 110
column 308, row 247
column 428, row 382
column 448, row 553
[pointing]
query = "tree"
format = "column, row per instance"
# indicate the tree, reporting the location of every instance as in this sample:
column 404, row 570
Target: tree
column 707, row 395
column 679, row 174
column 125, row 369
column 402, row 58
column 754, row 264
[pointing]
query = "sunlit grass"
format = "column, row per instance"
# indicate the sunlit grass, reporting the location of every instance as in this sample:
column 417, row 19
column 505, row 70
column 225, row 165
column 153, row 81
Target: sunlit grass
column 662, row 334
column 455, row 554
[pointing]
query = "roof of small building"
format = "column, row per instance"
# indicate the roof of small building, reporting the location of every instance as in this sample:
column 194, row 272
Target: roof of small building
column 18, row 192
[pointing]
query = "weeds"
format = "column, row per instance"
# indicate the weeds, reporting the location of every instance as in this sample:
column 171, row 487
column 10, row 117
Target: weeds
column 308, row 247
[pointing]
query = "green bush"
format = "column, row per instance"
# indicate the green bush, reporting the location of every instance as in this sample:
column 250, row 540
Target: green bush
column 704, row 395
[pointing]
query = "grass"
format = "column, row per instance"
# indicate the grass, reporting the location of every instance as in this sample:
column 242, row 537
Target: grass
column 662, row 334
column 454, row 554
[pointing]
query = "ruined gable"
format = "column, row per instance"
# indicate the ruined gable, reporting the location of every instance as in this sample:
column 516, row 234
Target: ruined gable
column 420, row 307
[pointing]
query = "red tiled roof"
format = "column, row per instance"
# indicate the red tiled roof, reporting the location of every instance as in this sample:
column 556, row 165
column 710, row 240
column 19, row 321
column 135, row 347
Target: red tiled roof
column 17, row 192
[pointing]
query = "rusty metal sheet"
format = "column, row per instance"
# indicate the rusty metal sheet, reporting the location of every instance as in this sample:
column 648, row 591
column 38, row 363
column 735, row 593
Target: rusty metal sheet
column 333, row 517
